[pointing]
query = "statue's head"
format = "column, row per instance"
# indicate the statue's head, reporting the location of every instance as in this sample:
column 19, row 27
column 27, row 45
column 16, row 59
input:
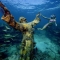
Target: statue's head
column 53, row 16
column 22, row 20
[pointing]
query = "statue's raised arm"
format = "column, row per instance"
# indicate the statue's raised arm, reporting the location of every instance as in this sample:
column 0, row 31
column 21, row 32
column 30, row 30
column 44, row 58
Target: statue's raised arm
column 36, row 20
column 7, row 17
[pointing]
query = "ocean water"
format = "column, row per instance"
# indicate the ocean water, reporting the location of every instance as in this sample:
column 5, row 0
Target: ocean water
column 47, row 41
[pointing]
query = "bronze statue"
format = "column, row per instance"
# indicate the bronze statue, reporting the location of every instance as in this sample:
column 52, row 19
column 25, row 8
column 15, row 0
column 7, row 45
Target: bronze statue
column 26, row 28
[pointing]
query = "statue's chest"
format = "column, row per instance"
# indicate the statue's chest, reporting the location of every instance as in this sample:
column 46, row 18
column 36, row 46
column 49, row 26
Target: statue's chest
column 26, row 26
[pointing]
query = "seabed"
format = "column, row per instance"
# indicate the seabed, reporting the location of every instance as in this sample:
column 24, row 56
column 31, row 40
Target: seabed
column 47, row 44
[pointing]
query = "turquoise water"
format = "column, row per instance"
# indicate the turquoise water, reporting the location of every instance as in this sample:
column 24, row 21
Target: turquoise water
column 47, row 41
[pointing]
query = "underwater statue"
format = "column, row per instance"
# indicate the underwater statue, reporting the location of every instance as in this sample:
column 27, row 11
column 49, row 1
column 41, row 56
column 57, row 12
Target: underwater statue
column 52, row 20
column 27, row 44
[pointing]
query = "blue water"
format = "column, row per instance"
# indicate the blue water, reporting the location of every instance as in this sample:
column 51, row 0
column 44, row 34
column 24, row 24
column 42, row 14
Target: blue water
column 29, row 9
column 47, row 41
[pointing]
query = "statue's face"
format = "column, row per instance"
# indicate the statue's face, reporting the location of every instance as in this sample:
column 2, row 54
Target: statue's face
column 22, row 20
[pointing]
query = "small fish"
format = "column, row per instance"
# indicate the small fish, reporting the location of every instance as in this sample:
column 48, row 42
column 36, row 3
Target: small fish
column 4, row 30
column 7, row 41
column 8, row 35
column 7, row 27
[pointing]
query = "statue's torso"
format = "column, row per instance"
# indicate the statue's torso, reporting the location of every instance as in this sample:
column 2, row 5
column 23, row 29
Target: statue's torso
column 27, row 31
column 27, row 41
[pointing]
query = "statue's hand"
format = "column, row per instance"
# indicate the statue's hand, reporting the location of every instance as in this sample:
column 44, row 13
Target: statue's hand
column 1, row 5
column 38, row 14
